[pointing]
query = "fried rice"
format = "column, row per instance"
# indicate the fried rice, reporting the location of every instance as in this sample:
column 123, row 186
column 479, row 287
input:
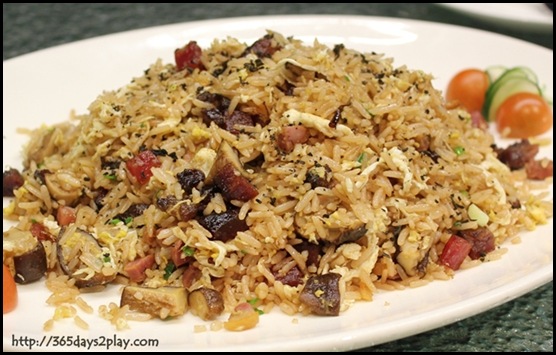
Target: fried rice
column 381, row 178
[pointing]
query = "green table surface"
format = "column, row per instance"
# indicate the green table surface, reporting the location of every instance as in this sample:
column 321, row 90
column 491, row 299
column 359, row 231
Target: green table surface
column 524, row 324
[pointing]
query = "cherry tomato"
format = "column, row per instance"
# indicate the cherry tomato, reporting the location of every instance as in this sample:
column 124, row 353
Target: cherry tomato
column 523, row 115
column 468, row 87
column 9, row 291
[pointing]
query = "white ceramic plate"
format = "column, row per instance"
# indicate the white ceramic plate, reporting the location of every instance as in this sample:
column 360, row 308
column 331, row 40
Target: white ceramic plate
column 43, row 87
column 529, row 17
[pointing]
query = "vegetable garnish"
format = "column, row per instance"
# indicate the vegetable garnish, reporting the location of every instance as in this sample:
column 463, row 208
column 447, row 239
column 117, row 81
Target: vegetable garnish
column 9, row 291
column 469, row 87
column 168, row 270
column 523, row 115
column 511, row 97
column 188, row 251
column 459, row 150
column 253, row 301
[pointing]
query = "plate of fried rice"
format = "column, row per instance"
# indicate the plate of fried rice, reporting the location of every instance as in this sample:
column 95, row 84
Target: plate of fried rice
column 262, row 184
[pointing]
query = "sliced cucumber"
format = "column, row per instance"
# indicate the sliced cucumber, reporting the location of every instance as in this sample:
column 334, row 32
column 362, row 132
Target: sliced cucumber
column 510, row 87
column 512, row 81
column 494, row 72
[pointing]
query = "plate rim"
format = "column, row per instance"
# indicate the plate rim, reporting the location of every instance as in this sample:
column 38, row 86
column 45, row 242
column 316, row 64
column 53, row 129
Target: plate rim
column 533, row 26
column 358, row 336
column 278, row 17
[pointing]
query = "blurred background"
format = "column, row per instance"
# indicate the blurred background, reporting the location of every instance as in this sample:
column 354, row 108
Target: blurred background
column 29, row 27
column 525, row 324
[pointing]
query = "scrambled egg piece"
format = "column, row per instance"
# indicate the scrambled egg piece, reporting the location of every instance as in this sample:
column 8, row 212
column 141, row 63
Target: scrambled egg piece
column 320, row 124
column 199, row 135
column 204, row 159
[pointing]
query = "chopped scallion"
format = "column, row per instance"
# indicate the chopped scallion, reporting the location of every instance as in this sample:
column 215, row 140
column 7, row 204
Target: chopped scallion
column 188, row 251
column 168, row 270
column 459, row 150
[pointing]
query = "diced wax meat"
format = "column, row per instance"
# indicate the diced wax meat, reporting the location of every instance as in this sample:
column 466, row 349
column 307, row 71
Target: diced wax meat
column 220, row 102
column 243, row 317
column 293, row 277
column 140, row 166
column 107, row 164
column 287, row 88
column 539, row 169
column 136, row 269
column 515, row 204
column 189, row 57
column 289, row 136
column 177, row 255
column 263, row 47
column 190, row 178
column 219, row 114
column 455, row 251
column 213, row 115
column 431, row 154
column 165, row 203
column 133, row 211
column 234, row 186
column 238, row 118
column 227, row 122
column 187, row 212
column 482, row 241
column 65, row 215
column 313, row 252
column 11, row 180
column 518, row 154
column 100, row 194
column 423, row 142
column 190, row 275
column 40, row 232
column 227, row 174
column 319, row 176
column 478, row 121
column 223, row 226
column 336, row 117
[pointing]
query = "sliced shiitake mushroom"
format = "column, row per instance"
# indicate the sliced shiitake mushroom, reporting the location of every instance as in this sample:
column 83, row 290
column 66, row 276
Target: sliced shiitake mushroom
column 82, row 258
column 28, row 254
column 350, row 235
column 30, row 266
column 159, row 302
column 206, row 303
